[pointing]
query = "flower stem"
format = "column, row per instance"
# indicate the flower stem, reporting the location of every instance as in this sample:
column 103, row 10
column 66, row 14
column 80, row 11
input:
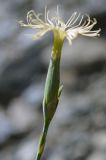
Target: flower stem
column 42, row 142
column 52, row 90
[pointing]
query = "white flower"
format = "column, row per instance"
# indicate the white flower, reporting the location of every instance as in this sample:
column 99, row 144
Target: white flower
column 76, row 24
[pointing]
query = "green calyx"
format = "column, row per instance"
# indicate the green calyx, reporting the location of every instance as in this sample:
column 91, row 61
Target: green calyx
column 51, row 93
column 52, row 90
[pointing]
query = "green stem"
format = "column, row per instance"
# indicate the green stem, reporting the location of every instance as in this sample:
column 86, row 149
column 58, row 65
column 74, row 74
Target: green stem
column 42, row 142
column 52, row 90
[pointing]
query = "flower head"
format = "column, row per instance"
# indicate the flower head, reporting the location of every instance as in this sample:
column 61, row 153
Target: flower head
column 76, row 24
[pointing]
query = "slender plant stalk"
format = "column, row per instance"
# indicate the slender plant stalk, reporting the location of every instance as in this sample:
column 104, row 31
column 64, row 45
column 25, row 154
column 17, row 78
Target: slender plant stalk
column 52, row 90
column 42, row 142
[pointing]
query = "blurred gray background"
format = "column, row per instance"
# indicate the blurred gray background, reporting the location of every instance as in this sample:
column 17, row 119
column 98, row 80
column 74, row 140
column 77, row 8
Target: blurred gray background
column 78, row 130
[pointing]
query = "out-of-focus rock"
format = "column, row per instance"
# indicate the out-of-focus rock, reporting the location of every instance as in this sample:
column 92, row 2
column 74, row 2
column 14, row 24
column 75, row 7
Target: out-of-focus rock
column 78, row 128
column 33, row 95
column 84, row 6
column 74, row 145
column 26, row 149
column 18, row 75
column 99, row 140
column 87, row 6
column 23, row 117
column 12, row 28
column 97, row 156
column 6, row 128
column 97, row 89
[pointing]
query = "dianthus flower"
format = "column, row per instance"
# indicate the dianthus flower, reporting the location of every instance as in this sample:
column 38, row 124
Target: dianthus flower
column 76, row 24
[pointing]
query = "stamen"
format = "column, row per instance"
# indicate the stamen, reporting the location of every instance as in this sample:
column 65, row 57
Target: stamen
column 71, row 18
column 89, row 21
column 78, row 23
column 69, row 40
column 58, row 17
column 29, row 17
column 58, row 11
column 90, row 26
column 54, row 20
column 50, row 22
column 91, row 35
column 70, row 24
column 46, row 14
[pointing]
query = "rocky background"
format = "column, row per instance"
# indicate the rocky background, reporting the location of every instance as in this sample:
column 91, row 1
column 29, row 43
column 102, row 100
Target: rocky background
column 78, row 130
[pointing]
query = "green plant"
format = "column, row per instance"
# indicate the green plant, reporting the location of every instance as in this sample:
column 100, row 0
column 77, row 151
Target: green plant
column 71, row 29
